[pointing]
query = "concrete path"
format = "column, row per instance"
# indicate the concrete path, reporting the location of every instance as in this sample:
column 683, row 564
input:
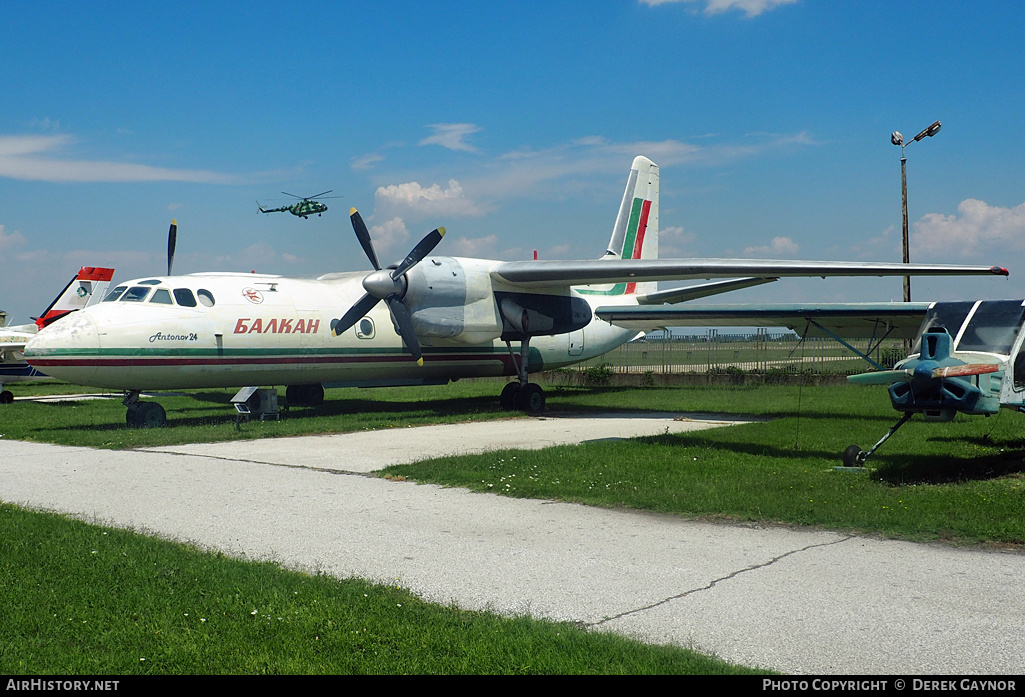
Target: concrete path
column 796, row 601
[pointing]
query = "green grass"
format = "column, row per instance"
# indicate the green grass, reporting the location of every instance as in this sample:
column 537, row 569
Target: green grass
column 962, row 481
column 79, row 599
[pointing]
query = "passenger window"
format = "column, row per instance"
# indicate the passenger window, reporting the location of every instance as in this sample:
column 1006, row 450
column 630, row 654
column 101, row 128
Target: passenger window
column 114, row 294
column 205, row 297
column 184, row 297
column 135, row 294
column 162, row 296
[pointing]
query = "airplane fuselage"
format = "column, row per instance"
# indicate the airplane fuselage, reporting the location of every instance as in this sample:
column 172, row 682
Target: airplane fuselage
column 230, row 330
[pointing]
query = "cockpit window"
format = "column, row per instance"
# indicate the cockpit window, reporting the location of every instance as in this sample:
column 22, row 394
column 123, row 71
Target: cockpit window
column 994, row 327
column 135, row 294
column 184, row 297
column 950, row 316
column 114, row 294
column 205, row 297
column 162, row 296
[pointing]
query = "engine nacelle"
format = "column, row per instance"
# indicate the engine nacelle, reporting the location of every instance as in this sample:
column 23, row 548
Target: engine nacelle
column 452, row 299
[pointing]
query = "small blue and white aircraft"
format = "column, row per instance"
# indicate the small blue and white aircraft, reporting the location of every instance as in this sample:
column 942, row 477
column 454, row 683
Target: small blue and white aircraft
column 967, row 357
column 88, row 286
column 427, row 320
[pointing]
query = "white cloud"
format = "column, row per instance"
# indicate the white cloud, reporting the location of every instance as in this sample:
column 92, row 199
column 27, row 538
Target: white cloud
column 977, row 227
column 390, row 236
column 779, row 248
column 38, row 158
column 451, row 136
column 420, row 201
column 10, row 240
column 481, row 247
column 673, row 241
column 365, row 161
column 751, row 8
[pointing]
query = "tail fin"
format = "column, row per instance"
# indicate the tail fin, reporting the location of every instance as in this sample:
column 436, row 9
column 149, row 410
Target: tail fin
column 635, row 235
column 87, row 287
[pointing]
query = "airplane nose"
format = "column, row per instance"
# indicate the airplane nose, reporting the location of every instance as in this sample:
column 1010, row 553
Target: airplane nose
column 67, row 349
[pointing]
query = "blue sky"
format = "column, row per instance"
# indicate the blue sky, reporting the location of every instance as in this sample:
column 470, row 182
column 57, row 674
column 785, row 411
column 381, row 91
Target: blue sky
column 513, row 125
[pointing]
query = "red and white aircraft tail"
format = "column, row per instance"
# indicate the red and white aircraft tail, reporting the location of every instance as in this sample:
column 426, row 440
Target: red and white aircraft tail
column 87, row 287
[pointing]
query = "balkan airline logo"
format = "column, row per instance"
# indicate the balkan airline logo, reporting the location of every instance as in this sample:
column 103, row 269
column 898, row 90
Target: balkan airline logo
column 289, row 325
column 252, row 295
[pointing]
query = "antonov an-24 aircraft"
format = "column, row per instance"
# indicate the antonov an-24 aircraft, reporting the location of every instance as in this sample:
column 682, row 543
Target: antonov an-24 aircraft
column 442, row 318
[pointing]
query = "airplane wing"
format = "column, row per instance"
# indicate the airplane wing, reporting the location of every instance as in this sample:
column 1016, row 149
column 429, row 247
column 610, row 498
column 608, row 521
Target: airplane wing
column 897, row 320
column 552, row 274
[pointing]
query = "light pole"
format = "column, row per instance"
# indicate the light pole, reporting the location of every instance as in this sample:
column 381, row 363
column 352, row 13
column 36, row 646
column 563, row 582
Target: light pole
column 897, row 139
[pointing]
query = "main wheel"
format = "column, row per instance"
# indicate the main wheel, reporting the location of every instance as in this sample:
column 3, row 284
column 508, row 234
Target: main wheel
column 531, row 398
column 510, row 392
column 6, row 397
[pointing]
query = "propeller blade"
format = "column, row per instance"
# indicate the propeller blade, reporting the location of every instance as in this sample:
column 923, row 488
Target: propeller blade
column 422, row 249
column 965, row 370
column 172, row 241
column 363, row 235
column 321, row 194
column 354, row 314
column 881, row 377
column 404, row 323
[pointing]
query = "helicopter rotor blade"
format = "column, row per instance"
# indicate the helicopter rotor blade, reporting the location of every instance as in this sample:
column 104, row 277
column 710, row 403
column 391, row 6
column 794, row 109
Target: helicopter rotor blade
column 172, row 241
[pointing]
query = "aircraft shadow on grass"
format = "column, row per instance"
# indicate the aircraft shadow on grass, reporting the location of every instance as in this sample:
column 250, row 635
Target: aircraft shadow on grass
column 894, row 470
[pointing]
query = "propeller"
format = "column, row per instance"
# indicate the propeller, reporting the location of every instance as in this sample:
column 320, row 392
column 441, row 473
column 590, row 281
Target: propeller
column 172, row 240
column 888, row 377
column 388, row 285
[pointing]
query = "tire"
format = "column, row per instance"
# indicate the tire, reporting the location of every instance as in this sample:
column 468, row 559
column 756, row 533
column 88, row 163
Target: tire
column 150, row 415
column 853, row 456
column 531, row 398
column 6, row 397
column 508, row 399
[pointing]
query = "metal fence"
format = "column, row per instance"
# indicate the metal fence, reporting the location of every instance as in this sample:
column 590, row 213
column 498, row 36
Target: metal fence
column 760, row 352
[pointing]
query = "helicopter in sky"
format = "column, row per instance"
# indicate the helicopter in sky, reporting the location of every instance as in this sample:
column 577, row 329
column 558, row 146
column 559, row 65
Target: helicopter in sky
column 306, row 207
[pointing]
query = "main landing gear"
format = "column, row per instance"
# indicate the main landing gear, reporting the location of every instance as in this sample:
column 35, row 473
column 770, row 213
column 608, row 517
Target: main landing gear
column 522, row 396
column 142, row 414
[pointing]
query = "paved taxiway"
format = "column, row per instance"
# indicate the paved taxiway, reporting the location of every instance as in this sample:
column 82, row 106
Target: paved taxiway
column 798, row 601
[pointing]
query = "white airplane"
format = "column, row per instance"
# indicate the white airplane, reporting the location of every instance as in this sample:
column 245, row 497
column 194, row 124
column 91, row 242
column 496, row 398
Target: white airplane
column 89, row 285
column 443, row 318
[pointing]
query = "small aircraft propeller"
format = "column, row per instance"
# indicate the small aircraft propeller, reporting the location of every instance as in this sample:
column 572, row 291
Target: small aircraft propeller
column 172, row 240
column 388, row 285
column 888, row 377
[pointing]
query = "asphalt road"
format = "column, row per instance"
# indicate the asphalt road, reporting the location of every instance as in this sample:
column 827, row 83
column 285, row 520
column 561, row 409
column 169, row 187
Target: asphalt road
column 797, row 601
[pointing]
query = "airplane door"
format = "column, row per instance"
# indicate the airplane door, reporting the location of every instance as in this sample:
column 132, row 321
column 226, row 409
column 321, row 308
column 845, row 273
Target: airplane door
column 576, row 343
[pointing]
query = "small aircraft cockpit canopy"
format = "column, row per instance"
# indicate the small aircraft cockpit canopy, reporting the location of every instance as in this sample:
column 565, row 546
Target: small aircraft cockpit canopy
column 992, row 325
column 183, row 297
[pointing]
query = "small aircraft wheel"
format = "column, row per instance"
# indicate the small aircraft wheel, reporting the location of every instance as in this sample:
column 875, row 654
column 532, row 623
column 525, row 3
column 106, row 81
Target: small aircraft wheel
column 6, row 397
column 853, row 456
column 531, row 398
column 150, row 415
column 507, row 400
